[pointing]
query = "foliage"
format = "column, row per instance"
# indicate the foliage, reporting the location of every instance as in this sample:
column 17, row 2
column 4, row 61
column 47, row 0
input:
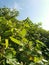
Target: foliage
column 22, row 42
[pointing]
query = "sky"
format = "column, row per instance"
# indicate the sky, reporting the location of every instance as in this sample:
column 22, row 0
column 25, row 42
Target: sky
column 36, row 10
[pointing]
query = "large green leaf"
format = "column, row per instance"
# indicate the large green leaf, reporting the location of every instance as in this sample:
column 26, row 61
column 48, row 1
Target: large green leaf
column 16, row 41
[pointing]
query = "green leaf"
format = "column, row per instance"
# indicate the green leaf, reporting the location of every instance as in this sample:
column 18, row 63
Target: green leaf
column 16, row 41
column 6, row 43
column 41, row 43
column 23, row 32
column 8, row 33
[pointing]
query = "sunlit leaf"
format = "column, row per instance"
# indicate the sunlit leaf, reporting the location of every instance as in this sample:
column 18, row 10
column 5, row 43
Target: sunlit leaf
column 6, row 43
column 0, row 38
column 23, row 32
column 16, row 41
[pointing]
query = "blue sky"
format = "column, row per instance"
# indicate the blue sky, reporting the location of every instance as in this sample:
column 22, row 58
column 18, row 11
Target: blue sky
column 36, row 10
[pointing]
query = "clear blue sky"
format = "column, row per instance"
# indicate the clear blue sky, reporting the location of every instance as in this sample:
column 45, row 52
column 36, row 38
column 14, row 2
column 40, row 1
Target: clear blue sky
column 36, row 10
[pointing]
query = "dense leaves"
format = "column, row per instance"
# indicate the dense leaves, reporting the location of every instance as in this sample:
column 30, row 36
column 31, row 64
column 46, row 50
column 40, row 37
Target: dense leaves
column 22, row 42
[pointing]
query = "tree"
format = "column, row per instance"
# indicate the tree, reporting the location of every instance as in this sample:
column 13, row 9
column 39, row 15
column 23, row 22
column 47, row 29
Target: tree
column 22, row 42
column 8, row 13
